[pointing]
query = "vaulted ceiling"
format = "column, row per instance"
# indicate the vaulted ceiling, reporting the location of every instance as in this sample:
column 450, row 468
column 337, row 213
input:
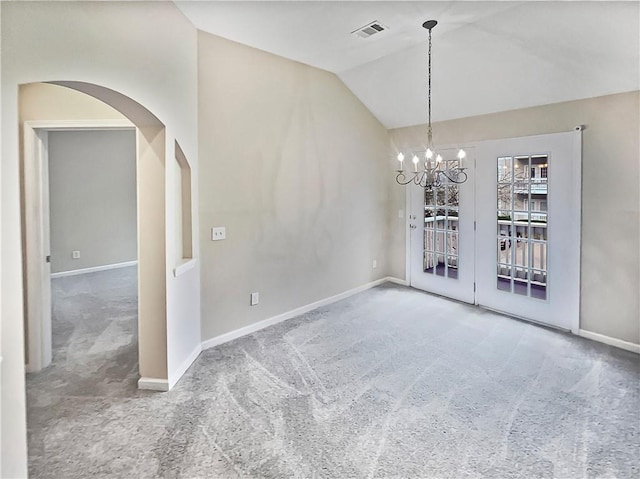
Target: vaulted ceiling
column 487, row 56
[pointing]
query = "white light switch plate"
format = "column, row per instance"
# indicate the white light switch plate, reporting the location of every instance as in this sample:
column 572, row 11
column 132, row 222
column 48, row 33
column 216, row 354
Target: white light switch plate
column 218, row 233
column 75, row 255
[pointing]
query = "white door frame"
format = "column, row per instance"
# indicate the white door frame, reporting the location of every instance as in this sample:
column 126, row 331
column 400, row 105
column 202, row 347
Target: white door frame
column 36, row 230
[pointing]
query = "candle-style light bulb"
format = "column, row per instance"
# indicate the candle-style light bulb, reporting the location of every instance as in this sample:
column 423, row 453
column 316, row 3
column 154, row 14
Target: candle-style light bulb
column 461, row 155
column 400, row 159
column 427, row 162
column 438, row 160
column 415, row 160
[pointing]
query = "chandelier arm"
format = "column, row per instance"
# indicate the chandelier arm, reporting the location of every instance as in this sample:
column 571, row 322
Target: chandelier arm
column 420, row 178
column 401, row 179
column 459, row 172
column 464, row 174
column 423, row 181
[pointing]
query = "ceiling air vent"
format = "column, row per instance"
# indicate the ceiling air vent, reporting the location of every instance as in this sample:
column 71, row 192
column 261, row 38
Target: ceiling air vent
column 370, row 29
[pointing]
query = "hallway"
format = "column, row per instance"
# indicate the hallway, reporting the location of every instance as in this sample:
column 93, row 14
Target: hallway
column 95, row 349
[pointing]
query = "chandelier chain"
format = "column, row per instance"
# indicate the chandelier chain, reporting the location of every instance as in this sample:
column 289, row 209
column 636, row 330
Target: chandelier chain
column 429, row 82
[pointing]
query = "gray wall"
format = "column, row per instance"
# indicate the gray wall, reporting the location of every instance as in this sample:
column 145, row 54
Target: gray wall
column 610, row 257
column 92, row 181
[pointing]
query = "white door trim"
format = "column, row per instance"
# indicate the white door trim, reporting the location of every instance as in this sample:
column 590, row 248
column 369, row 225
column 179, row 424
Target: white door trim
column 38, row 294
column 36, row 229
column 74, row 125
column 576, row 225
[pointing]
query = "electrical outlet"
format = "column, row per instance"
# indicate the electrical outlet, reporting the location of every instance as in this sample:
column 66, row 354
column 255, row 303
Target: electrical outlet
column 75, row 254
column 255, row 298
column 375, row 263
column 218, row 233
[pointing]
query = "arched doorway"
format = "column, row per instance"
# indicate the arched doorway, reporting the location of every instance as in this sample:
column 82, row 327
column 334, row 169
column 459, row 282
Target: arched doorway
column 150, row 186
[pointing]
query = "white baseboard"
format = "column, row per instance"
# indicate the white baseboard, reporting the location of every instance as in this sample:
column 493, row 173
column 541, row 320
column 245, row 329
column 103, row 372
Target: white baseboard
column 618, row 343
column 175, row 376
column 392, row 279
column 252, row 328
column 93, row 269
column 153, row 384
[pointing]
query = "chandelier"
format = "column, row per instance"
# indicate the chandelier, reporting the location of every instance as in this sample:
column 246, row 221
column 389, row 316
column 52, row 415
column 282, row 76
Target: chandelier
column 433, row 171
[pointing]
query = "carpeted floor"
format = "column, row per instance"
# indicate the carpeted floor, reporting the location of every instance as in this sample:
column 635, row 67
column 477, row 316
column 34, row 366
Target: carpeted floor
column 391, row 383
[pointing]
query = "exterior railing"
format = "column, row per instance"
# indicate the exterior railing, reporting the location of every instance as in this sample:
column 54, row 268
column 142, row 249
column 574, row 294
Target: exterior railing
column 537, row 186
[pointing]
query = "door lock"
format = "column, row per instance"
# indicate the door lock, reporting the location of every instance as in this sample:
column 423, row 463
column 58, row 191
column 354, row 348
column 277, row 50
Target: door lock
column 47, row 259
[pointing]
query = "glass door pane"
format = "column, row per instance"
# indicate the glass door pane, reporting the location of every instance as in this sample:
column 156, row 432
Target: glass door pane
column 441, row 228
column 522, row 224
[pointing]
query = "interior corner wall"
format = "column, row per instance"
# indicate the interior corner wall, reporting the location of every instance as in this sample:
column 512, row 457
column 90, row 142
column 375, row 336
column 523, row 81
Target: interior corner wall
column 122, row 46
column 293, row 165
column 610, row 257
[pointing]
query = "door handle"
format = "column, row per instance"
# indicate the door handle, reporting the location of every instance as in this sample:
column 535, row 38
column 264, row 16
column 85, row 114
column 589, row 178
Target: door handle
column 47, row 259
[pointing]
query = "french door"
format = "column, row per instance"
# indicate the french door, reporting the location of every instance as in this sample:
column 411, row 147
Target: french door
column 509, row 238
column 441, row 222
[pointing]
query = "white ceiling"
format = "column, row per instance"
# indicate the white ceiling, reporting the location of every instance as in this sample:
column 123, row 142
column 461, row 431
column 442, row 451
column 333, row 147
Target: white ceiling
column 487, row 56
